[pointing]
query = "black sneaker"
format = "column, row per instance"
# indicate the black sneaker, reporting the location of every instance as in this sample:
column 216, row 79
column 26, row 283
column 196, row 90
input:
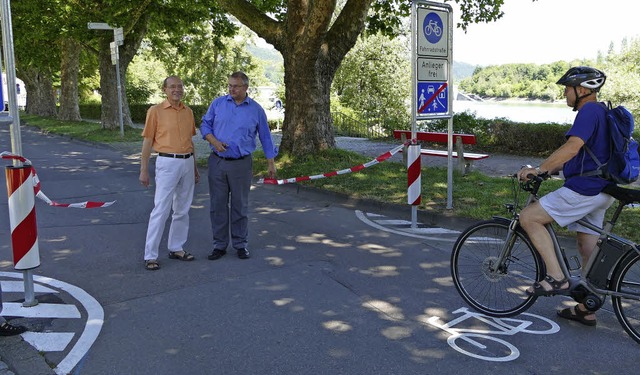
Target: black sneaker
column 217, row 254
column 7, row 329
column 243, row 253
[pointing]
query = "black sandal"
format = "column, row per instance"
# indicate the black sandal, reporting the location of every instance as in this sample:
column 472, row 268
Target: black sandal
column 556, row 287
column 7, row 329
column 574, row 313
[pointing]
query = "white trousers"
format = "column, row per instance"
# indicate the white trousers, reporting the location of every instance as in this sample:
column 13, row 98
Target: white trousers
column 175, row 181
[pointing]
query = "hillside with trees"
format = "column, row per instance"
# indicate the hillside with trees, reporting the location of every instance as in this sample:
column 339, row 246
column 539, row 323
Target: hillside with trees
column 532, row 81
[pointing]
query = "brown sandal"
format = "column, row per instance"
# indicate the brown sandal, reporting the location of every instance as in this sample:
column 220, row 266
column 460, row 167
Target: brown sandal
column 151, row 265
column 186, row 256
column 556, row 287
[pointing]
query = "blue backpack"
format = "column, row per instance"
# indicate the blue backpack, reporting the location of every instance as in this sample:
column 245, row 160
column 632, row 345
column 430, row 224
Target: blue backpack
column 623, row 166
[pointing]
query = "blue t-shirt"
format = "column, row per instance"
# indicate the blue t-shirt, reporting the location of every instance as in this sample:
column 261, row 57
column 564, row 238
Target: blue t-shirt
column 237, row 125
column 590, row 125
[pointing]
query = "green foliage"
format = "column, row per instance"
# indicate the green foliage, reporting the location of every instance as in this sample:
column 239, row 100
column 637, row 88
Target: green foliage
column 138, row 112
column 144, row 78
column 83, row 130
column 623, row 77
column 204, row 60
column 371, row 82
column 529, row 81
column 503, row 136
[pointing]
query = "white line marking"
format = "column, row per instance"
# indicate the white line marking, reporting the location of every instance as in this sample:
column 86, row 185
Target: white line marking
column 18, row 286
column 433, row 231
column 362, row 216
column 41, row 310
column 393, row 222
column 48, row 341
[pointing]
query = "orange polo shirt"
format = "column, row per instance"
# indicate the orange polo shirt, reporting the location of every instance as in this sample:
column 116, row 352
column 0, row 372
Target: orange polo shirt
column 171, row 129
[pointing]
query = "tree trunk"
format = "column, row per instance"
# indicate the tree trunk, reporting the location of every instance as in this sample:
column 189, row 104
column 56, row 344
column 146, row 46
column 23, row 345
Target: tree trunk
column 307, row 126
column 69, row 67
column 41, row 100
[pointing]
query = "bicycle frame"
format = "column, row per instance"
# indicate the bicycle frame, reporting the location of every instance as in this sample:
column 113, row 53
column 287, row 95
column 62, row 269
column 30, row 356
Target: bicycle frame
column 608, row 253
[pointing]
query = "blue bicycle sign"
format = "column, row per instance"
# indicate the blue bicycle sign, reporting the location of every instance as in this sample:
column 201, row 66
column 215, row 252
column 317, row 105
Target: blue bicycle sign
column 432, row 26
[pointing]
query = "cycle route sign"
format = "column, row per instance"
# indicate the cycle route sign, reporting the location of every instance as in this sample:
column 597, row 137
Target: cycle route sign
column 432, row 60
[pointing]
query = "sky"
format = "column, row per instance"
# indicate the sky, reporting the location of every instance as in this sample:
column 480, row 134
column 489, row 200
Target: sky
column 546, row 31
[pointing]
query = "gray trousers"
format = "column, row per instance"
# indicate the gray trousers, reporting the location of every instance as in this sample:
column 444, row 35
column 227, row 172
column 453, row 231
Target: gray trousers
column 229, row 185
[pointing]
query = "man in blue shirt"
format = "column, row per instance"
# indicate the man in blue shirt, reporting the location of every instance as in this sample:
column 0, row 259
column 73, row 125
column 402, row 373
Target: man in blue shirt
column 230, row 126
column 581, row 197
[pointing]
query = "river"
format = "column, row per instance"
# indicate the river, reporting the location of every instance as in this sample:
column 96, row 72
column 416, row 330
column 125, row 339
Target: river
column 517, row 111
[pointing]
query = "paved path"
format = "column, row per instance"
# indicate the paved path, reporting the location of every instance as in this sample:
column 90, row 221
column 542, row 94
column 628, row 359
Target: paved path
column 335, row 285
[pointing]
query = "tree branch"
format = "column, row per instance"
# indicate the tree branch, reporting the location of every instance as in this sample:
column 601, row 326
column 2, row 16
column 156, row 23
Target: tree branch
column 266, row 27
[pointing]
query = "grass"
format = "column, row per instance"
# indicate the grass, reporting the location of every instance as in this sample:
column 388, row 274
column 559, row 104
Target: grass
column 475, row 195
column 84, row 130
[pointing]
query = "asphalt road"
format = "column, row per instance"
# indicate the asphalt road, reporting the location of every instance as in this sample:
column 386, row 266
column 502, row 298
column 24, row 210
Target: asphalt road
column 335, row 286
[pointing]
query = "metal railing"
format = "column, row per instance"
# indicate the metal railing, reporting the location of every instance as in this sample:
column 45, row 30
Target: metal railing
column 347, row 126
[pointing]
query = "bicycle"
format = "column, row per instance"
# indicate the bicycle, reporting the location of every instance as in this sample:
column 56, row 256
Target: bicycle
column 493, row 263
column 433, row 27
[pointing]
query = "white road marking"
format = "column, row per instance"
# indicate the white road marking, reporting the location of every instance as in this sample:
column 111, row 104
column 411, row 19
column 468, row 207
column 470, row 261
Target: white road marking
column 18, row 286
column 48, row 341
column 409, row 232
column 41, row 310
column 95, row 318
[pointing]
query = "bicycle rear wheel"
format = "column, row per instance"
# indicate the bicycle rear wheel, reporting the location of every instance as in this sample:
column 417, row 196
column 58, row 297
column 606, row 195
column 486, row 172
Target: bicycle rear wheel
column 499, row 293
column 626, row 279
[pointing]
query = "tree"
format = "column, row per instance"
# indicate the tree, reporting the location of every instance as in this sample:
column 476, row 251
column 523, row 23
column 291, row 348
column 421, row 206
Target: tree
column 204, row 57
column 623, row 72
column 372, row 80
column 36, row 53
column 313, row 38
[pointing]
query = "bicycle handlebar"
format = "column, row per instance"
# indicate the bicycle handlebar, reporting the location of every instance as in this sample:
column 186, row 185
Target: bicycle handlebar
column 533, row 182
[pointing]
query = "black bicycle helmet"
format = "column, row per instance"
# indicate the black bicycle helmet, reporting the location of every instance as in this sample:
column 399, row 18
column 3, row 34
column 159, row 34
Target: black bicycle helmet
column 584, row 76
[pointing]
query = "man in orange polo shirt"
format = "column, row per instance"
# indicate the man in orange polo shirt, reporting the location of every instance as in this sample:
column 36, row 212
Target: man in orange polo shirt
column 169, row 129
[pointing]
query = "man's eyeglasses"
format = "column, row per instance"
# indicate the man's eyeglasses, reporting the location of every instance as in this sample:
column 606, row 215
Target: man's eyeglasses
column 235, row 86
column 173, row 87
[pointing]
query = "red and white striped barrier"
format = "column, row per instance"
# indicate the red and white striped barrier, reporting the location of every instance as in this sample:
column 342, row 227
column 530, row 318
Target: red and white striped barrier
column 413, row 175
column 41, row 195
column 357, row 168
column 22, row 218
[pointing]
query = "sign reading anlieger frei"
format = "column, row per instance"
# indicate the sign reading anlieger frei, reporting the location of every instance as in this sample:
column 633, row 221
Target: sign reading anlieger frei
column 432, row 60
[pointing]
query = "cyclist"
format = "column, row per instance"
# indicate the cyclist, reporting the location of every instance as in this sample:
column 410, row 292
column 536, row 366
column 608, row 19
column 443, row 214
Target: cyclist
column 581, row 196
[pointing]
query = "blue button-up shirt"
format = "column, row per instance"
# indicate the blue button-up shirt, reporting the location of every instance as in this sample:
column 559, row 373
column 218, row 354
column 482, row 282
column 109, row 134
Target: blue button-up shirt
column 237, row 125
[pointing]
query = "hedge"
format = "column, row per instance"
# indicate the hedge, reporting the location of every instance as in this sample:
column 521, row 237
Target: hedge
column 139, row 112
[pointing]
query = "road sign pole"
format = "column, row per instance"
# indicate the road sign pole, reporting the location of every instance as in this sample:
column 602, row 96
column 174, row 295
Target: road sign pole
column 14, row 118
column 432, row 91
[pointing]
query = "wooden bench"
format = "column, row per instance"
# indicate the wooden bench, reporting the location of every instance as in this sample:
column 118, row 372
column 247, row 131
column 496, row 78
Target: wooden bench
column 464, row 164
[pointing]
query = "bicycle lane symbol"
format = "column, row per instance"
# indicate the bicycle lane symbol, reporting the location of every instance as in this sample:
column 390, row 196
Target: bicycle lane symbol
column 481, row 343
column 73, row 346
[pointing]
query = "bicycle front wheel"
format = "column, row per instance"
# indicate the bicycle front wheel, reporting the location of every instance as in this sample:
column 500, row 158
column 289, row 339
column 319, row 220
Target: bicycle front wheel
column 626, row 279
column 495, row 290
